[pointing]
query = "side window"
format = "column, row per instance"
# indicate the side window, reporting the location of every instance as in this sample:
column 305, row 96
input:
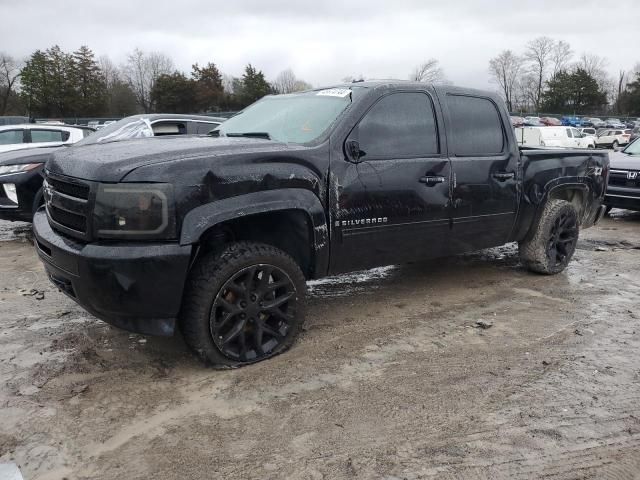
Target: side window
column 576, row 133
column 9, row 137
column 38, row 136
column 169, row 128
column 205, row 127
column 475, row 125
column 400, row 125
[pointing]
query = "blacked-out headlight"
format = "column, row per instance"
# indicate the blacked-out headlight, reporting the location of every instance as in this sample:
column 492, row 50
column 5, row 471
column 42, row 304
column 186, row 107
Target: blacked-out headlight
column 135, row 211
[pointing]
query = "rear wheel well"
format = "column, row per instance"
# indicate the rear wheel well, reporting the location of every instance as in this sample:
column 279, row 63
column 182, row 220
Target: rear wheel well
column 574, row 196
column 287, row 230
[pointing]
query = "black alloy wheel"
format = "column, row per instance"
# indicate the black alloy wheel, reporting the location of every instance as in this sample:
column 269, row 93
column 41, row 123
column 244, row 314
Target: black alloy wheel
column 253, row 313
column 562, row 239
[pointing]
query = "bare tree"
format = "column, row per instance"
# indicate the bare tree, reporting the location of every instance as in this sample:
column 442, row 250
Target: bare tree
column 560, row 57
column 622, row 85
column 428, row 72
column 141, row 72
column 539, row 53
column 504, row 70
column 287, row 82
column 9, row 78
column 596, row 66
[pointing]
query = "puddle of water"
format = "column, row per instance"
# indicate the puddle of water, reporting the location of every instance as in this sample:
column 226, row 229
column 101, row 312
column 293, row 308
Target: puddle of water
column 350, row 283
column 15, row 231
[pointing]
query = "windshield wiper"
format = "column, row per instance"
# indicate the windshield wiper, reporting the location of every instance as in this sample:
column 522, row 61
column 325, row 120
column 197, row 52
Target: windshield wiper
column 264, row 135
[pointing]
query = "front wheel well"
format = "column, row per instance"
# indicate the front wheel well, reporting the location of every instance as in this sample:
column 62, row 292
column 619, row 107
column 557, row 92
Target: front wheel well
column 287, row 230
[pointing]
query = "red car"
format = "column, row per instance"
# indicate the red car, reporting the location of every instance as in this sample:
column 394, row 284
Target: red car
column 550, row 121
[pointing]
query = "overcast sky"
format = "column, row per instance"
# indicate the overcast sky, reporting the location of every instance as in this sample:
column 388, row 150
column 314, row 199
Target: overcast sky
column 325, row 40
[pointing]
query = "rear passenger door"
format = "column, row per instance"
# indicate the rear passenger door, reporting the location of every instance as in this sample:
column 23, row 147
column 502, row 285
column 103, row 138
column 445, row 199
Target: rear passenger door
column 485, row 172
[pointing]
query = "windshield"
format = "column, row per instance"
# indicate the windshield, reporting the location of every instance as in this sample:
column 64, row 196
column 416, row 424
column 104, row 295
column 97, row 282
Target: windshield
column 293, row 118
column 125, row 129
column 633, row 148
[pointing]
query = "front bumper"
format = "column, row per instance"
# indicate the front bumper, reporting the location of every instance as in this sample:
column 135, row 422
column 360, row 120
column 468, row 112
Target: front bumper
column 623, row 197
column 134, row 286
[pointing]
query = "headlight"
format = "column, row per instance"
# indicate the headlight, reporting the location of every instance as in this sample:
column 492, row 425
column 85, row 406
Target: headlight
column 11, row 169
column 135, row 211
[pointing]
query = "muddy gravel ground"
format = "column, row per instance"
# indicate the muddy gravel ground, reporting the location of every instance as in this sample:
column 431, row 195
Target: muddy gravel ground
column 393, row 377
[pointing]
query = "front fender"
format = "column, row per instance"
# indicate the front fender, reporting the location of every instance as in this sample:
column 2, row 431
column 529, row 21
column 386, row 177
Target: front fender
column 202, row 218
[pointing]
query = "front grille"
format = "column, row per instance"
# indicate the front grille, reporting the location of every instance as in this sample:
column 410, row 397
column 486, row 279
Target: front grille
column 71, row 189
column 68, row 219
column 620, row 178
column 67, row 201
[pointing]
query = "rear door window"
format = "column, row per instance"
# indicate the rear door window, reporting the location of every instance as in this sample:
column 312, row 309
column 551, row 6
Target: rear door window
column 44, row 136
column 10, row 137
column 400, row 125
column 476, row 127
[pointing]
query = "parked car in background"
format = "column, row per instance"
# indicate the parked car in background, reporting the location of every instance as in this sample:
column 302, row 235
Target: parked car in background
column 21, row 182
column 571, row 121
column 635, row 133
column 18, row 137
column 624, row 178
column 613, row 138
column 550, row 121
column 629, row 123
column 589, row 132
column 563, row 137
column 12, row 120
column 533, row 122
column 21, row 171
column 614, row 123
column 517, row 121
column 594, row 122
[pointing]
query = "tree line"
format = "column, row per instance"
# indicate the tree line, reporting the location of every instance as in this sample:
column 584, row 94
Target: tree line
column 53, row 83
column 547, row 77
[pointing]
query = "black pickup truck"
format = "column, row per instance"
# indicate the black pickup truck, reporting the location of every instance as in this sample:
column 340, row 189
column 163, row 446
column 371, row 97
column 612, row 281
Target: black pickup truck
column 217, row 234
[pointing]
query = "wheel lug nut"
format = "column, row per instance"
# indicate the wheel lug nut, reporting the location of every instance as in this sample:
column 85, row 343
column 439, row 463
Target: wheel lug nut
column 243, row 304
column 243, row 316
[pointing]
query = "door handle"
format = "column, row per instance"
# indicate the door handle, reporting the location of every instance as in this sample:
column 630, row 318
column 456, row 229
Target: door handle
column 430, row 181
column 503, row 176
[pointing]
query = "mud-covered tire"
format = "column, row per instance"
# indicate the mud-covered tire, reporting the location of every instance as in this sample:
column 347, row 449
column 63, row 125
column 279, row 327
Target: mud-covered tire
column 550, row 248
column 207, row 306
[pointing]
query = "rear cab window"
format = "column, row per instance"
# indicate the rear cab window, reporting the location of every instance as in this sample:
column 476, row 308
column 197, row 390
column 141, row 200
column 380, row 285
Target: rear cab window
column 476, row 126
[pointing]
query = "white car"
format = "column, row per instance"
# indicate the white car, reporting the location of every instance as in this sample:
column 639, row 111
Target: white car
column 31, row 135
column 563, row 137
column 613, row 138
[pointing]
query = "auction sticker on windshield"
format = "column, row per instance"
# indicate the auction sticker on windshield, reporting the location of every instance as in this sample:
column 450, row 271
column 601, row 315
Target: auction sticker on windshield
column 334, row 92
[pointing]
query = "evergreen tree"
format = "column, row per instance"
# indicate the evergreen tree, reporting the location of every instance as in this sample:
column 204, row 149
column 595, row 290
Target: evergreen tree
column 253, row 87
column 208, row 84
column 174, row 93
column 89, row 85
column 577, row 92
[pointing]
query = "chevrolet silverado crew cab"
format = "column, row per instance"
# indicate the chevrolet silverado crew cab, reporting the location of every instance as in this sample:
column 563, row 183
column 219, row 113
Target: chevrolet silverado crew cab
column 217, row 234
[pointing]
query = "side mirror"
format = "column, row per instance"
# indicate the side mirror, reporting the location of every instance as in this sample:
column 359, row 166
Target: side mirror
column 352, row 149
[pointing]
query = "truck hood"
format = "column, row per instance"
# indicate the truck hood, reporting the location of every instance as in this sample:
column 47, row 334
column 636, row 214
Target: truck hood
column 623, row 161
column 31, row 155
column 111, row 162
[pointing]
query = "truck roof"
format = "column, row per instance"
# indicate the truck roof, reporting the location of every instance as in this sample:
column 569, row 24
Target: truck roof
column 387, row 83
